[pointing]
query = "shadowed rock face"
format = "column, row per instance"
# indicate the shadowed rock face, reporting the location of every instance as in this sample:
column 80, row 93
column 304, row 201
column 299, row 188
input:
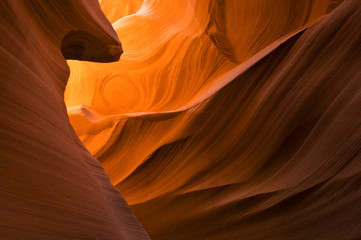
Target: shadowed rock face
column 222, row 120
column 50, row 185
column 80, row 45
column 230, row 119
column 240, row 29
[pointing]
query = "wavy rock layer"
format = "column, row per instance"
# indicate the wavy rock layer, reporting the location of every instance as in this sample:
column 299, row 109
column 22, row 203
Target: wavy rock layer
column 212, row 132
column 51, row 187
column 116, row 9
column 184, row 46
column 240, row 29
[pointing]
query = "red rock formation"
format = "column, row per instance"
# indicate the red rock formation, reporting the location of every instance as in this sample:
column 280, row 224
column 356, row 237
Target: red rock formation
column 221, row 120
column 51, row 187
column 274, row 154
column 211, row 132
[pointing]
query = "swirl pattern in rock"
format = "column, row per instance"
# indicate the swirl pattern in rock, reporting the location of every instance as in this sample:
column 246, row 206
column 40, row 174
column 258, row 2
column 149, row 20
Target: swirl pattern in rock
column 222, row 120
column 230, row 119
column 215, row 132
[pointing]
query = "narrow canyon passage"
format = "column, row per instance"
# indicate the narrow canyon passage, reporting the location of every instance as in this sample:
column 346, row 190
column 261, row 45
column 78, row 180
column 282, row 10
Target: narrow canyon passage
column 180, row 119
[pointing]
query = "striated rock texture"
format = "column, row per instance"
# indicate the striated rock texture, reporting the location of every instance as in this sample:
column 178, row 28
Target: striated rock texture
column 50, row 185
column 117, row 9
column 223, row 119
column 230, row 119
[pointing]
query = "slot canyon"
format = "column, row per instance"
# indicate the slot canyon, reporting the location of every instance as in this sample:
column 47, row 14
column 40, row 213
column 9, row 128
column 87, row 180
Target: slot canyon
column 180, row 119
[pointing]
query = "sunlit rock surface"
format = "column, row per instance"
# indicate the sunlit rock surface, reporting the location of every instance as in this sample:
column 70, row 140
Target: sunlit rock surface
column 223, row 119
column 50, row 185
column 230, row 119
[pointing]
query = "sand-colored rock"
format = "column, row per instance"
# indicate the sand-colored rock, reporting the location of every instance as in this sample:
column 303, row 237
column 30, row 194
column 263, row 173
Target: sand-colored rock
column 213, row 134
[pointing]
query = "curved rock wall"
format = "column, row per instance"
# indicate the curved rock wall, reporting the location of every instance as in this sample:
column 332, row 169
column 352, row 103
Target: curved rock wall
column 51, row 187
column 230, row 119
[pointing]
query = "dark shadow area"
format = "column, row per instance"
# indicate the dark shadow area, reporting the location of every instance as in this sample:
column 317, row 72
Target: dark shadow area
column 81, row 45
